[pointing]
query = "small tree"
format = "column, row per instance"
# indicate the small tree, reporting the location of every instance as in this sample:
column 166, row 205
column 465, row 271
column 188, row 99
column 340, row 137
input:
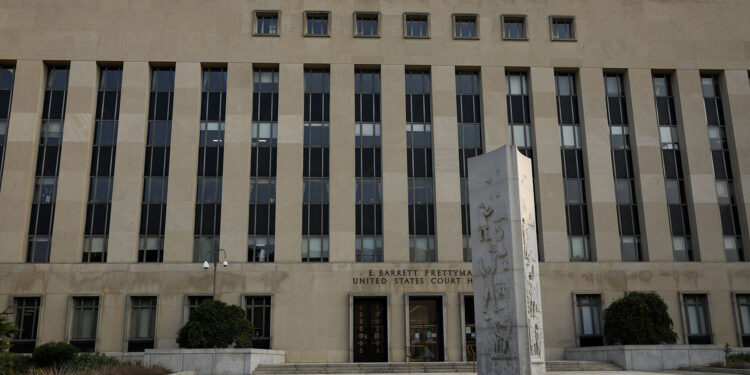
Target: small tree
column 8, row 330
column 638, row 319
column 215, row 324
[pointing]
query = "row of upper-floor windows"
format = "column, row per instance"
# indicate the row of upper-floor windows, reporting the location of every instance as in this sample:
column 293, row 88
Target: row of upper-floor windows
column 414, row 25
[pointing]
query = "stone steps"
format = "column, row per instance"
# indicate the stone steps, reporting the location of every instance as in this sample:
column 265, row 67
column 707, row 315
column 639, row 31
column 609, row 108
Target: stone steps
column 415, row 367
column 365, row 368
column 582, row 366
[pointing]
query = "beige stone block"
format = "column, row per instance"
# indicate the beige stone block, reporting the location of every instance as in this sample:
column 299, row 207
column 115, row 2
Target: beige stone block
column 395, row 179
column 698, row 167
column 20, row 159
column 598, row 166
column 289, row 171
column 551, row 220
column 342, row 196
column 183, row 163
column 236, row 180
column 447, row 184
column 75, row 159
column 656, row 235
column 494, row 107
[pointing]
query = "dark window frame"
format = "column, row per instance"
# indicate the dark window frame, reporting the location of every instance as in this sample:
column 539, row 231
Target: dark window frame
column 416, row 17
column 264, row 340
column 514, row 18
column 459, row 19
column 25, row 342
column 570, row 20
column 259, row 17
column 359, row 32
column 309, row 31
column 596, row 301
column 76, row 336
column 139, row 344
column 5, row 120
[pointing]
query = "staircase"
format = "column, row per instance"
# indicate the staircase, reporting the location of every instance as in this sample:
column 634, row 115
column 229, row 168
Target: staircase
column 415, row 367
column 365, row 368
column 582, row 366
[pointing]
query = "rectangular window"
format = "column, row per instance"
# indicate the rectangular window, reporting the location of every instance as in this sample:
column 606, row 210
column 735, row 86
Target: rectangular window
column 465, row 26
column 84, row 325
column 267, row 22
column 210, row 164
column 622, row 167
column 723, row 174
column 315, row 166
column 142, row 324
column 368, row 168
column 367, row 24
column 156, row 167
column 258, row 310
column 420, row 167
column 469, row 113
column 27, row 311
column 47, row 165
column 195, row 301
column 316, row 23
column 416, row 25
column 562, row 27
column 573, row 173
column 7, row 76
column 262, row 211
column 743, row 315
column 99, row 208
column 589, row 320
column 514, row 26
column 674, row 182
column 697, row 322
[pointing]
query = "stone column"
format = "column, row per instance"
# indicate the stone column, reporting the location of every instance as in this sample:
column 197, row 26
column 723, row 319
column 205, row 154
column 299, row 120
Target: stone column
column 342, row 180
column 736, row 99
column 395, row 178
column 656, row 237
column 131, row 150
column 289, row 171
column 698, row 168
column 183, row 163
column 20, row 159
column 552, row 220
column 507, row 298
column 598, row 153
column 75, row 161
column 447, row 183
column 236, row 180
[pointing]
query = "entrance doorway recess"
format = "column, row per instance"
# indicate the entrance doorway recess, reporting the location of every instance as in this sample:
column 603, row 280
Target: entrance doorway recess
column 426, row 329
column 370, row 329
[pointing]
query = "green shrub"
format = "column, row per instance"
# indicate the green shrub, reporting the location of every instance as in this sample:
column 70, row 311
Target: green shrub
column 638, row 319
column 53, row 354
column 740, row 360
column 214, row 324
column 91, row 361
column 14, row 363
column 7, row 330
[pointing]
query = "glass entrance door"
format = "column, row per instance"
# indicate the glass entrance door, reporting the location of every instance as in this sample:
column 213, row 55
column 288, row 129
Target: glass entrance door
column 426, row 329
column 370, row 330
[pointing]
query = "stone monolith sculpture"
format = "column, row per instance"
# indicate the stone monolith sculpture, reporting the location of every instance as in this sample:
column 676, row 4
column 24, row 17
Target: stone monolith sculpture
column 507, row 300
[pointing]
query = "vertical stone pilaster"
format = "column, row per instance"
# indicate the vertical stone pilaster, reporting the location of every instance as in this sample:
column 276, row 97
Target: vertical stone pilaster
column 656, row 237
column 183, row 163
column 494, row 108
column 395, row 178
column 736, row 99
column 447, row 183
column 551, row 220
column 127, row 191
column 342, row 178
column 20, row 159
column 236, row 179
column 289, row 171
column 698, row 169
column 75, row 160
column 598, row 155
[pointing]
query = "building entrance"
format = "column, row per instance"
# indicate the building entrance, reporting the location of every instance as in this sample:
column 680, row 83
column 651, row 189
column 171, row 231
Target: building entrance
column 426, row 329
column 370, row 330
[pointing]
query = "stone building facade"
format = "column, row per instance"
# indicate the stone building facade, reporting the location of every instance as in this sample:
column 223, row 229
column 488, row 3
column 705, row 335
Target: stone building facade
column 322, row 144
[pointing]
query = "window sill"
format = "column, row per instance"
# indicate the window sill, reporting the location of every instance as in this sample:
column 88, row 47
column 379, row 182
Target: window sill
column 564, row 40
column 317, row 35
column 517, row 39
column 367, row 36
column 416, row 37
column 262, row 34
column 466, row 38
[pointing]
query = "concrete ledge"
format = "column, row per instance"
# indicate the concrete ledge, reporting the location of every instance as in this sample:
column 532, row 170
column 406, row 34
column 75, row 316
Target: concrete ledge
column 650, row 357
column 213, row 361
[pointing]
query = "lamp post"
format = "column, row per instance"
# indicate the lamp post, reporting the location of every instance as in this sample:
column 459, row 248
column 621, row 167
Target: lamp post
column 215, row 259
